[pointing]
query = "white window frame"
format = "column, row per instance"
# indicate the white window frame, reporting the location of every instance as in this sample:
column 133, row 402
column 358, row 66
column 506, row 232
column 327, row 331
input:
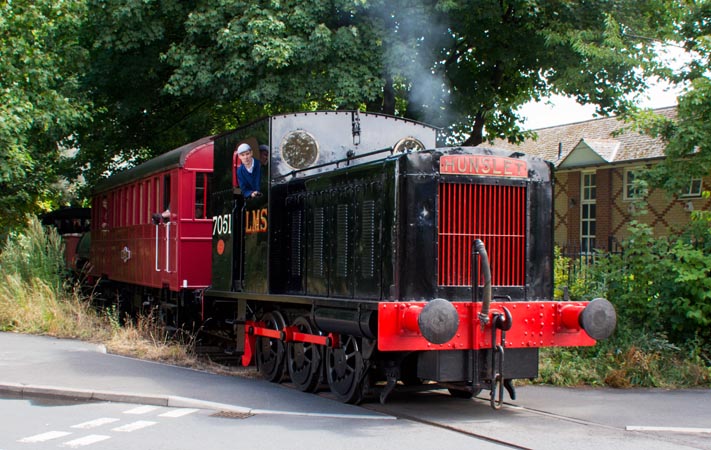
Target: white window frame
column 629, row 185
column 588, row 202
column 691, row 191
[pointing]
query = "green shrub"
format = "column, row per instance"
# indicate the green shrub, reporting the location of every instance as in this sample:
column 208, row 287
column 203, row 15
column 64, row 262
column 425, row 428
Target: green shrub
column 661, row 289
column 661, row 285
column 571, row 277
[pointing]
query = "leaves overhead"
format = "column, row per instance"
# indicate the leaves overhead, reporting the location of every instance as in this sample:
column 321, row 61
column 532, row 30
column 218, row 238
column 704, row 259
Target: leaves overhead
column 458, row 64
column 688, row 135
column 40, row 104
column 161, row 73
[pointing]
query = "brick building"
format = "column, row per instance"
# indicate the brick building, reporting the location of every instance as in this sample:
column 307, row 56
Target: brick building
column 594, row 190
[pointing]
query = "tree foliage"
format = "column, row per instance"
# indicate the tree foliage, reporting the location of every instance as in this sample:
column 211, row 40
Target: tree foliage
column 688, row 136
column 502, row 55
column 40, row 101
column 161, row 73
column 133, row 118
column 465, row 66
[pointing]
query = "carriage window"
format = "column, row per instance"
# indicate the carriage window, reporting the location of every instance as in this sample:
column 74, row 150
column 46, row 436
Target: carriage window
column 148, row 201
column 166, row 193
column 156, row 191
column 141, row 207
column 104, row 213
column 115, row 200
column 125, row 210
column 202, row 194
column 133, row 205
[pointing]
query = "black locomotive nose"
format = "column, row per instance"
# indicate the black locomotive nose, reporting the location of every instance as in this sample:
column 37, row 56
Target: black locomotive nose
column 599, row 319
column 438, row 321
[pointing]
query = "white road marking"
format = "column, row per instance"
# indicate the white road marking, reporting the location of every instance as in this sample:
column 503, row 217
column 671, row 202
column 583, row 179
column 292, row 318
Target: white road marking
column 95, row 423
column 86, row 440
column 179, row 412
column 669, row 429
column 142, row 409
column 45, row 436
column 135, row 426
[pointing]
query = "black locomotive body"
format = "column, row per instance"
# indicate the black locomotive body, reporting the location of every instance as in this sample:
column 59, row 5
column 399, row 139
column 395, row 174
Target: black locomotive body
column 375, row 259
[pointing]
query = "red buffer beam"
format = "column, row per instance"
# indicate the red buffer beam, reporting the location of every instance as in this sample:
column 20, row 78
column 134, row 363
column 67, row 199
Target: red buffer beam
column 534, row 324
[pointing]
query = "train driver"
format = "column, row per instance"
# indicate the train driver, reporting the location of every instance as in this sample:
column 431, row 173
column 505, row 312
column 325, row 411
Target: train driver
column 249, row 172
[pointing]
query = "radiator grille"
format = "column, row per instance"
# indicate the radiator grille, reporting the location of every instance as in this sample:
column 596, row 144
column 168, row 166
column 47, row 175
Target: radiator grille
column 494, row 214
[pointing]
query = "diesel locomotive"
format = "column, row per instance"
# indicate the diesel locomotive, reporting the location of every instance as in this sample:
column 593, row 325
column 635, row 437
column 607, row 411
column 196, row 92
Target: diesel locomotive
column 374, row 258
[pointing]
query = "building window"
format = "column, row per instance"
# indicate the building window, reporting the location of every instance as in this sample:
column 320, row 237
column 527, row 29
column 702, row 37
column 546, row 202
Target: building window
column 634, row 190
column 588, row 213
column 693, row 189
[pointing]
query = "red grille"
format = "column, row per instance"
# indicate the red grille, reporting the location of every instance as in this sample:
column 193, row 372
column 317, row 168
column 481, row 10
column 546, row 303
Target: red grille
column 494, row 214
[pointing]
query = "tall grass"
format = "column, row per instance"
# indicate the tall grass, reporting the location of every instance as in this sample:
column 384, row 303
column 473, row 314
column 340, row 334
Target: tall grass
column 36, row 298
column 35, row 254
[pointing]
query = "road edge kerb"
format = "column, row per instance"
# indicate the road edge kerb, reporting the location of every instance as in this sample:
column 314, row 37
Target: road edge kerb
column 170, row 401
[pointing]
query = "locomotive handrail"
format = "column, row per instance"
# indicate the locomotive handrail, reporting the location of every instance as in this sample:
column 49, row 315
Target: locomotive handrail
column 479, row 249
column 349, row 158
column 240, row 265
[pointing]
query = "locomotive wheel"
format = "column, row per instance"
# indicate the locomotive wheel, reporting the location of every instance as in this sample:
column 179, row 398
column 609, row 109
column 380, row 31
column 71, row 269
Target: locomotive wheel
column 344, row 370
column 270, row 352
column 304, row 359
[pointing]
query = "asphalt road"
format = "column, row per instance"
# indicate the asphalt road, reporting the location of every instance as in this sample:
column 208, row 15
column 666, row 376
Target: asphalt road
column 553, row 418
column 276, row 416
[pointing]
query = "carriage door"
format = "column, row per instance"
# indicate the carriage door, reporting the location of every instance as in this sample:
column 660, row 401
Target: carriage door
column 164, row 227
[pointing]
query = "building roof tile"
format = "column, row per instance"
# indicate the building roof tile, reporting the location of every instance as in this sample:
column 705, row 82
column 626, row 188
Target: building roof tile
column 606, row 136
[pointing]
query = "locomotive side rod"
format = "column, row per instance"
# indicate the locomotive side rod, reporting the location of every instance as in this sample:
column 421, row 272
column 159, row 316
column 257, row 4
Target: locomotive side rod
column 286, row 335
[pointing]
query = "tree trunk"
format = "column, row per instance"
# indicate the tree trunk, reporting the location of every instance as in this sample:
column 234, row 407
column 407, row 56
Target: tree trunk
column 477, row 134
column 388, row 96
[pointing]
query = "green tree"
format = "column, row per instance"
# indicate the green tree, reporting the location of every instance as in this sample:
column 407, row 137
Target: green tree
column 503, row 54
column 469, row 64
column 164, row 72
column 40, row 103
column 688, row 135
column 133, row 118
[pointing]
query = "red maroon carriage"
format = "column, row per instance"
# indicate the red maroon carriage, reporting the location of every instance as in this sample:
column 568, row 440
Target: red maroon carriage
column 151, row 230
